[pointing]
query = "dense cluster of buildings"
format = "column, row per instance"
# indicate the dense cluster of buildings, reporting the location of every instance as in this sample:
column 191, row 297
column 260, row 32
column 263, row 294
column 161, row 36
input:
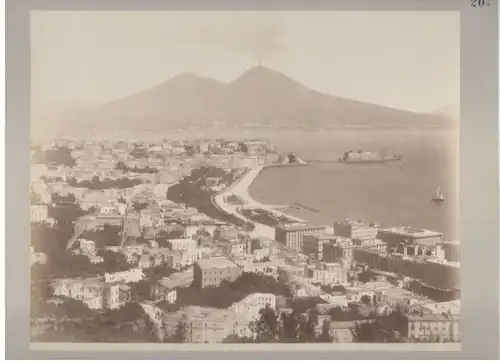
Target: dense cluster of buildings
column 320, row 262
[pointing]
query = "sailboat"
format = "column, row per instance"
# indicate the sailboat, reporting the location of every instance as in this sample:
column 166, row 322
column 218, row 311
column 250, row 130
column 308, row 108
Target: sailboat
column 438, row 197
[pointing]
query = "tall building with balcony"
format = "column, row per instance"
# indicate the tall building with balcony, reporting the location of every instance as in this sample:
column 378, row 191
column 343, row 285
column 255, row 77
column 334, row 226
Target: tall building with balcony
column 425, row 327
column 292, row 235
column 411, row 241
column 211, row 272
column 355, row 229
column 94, row 292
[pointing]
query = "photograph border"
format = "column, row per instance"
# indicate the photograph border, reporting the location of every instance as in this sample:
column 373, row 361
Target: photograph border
column 478, row 190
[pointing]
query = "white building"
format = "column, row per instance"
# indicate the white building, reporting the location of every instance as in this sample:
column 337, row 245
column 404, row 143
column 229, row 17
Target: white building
column 132, row 275
column 94, row 292
column 38, row 213
column 164, row 290
column 447, row 307
column 251, row 305
column 87, row 247
column 182, row 244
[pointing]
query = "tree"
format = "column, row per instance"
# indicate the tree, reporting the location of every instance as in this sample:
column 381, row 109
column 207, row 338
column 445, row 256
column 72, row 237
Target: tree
column 71, row 308
column 365, row 299
column 181, row 331
column 307, row 332
column 140, row 291
column 120, row 165
column 290, row 326
column 92, row 210
column 369, row 332
column 325, row 336
column 131, row 311
column 114, row 262
column 364, row 276
column 267, row 327
column 233, row 338
column 139, row 206
column 107, row 236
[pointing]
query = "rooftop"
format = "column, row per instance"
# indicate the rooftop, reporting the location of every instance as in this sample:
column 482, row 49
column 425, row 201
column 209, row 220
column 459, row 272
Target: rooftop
column 429, row 317
column 202, row 313
column 411, row 232
column 217, row 262
column 299, row 227
column 451, row 242
column 358, row 223
column 320, row 235
column 168, row 283
column 452, row 306
column 181, row 240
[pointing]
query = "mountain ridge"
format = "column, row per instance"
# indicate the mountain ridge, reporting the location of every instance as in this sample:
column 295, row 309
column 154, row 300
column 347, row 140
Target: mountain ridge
column 259, row 97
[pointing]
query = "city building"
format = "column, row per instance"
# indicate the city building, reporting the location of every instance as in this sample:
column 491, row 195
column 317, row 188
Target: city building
column 38, row 213
column 312, row 244
column 255, row 147
column 291, row 235
column 446, row 307
column 327, row 273
column 340, row 301
column 426, row 327
column 434, row 272
column 181, row 244
column 248, row 162
column 204, row 325
column 86, row 247
column 342, row 331
column 263, row 253
column 94, row 259
column 355, row 229
column 236, row 246
column 38, row 257
column 226, row 233
column 164, row 290
column 131, row 275
column 192, row 227
column 374, row 244
column 107, row 208
column 182, row 278
column 94, row 292
column 340, row 248
column 411, row 241
column 251, row 305
column 211, row 272
column 265, row 268
column 290, row 272
column 109, row 219
column 184, row 258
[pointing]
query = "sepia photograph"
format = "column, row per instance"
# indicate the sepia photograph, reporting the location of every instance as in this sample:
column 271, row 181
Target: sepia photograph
column 222, row 177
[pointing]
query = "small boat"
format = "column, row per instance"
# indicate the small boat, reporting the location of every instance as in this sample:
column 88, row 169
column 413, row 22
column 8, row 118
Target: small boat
column 438, row 197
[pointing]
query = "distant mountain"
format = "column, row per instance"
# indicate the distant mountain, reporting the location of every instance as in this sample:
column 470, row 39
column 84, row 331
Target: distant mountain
column 450, row 111
column 259, row 97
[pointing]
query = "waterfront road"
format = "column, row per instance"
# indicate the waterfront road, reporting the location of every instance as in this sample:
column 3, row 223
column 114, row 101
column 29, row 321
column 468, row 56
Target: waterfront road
column 240, row 189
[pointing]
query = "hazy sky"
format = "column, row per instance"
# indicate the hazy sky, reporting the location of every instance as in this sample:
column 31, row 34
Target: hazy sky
column 408, row 60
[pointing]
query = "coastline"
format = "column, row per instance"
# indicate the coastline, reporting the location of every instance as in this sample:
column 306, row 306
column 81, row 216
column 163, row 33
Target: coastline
column 240, row 189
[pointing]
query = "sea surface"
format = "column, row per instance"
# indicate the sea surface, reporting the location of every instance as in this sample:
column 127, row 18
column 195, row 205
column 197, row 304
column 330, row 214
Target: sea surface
column 392, row 194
